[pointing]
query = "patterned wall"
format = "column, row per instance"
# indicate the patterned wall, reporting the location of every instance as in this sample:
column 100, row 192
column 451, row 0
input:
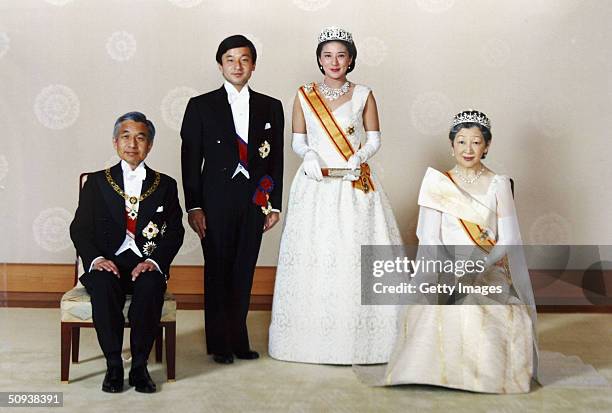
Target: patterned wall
column 541, row 69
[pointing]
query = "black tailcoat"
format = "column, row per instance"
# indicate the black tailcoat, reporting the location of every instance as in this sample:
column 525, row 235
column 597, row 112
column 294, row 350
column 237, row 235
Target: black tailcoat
column 209, row 157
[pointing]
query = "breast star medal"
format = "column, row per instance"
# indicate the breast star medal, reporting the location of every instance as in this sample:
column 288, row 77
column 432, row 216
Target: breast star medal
column 150, row 231
column 264, row 149
column 484, row 234
column 148, row 248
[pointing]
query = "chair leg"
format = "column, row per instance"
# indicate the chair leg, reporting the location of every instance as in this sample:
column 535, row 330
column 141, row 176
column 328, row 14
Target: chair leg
column 76, row 335
column 171, row 350
column 158, row 344
column 66, row 334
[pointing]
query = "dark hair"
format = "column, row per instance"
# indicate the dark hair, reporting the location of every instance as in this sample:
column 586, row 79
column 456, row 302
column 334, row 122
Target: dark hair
column 352, row 50
column 486, row 133
column 233, row 42
column 136, row 117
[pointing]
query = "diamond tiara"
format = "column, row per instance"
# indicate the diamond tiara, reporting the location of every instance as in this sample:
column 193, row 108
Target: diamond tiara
column 472, row 116
column 335, row 33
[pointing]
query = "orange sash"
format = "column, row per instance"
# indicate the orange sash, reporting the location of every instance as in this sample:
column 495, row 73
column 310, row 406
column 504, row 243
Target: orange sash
column 478, row 234
column 336, row 134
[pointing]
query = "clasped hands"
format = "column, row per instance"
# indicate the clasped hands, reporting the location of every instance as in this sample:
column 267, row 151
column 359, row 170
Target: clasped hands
column 107, row 265
column 312, row 167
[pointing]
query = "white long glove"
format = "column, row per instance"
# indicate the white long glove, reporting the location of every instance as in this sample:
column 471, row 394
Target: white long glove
column 299, row 145
column 311, row 165
column 509, row 236
column 508, row 231
column 371, row 146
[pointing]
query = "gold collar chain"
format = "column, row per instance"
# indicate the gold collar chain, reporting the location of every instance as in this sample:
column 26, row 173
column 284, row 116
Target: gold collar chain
column 132, row 199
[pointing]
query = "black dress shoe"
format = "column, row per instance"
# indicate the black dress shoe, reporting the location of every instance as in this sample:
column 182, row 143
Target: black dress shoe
column 248, row 355
column 140, row 379
column 113, row 380
column 223, row 358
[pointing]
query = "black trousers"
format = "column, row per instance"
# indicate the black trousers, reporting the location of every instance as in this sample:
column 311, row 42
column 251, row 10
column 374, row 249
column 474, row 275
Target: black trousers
column 234, row 227
column 108, row 293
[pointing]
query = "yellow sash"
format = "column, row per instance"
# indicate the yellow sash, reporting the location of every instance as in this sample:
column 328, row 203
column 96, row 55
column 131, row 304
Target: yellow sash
column 336, row 134
column 478, row 234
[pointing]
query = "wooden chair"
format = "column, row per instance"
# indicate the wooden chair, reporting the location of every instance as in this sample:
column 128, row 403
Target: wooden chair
column 76, row 313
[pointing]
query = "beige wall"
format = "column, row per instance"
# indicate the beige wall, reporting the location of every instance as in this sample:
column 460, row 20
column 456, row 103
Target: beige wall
column 541, row 69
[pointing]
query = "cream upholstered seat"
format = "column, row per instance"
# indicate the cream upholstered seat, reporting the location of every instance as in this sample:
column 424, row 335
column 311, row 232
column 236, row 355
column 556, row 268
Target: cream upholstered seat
column 76, row 306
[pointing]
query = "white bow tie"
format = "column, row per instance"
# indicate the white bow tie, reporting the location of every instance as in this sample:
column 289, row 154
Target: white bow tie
column 234, row 97
column 140, row 173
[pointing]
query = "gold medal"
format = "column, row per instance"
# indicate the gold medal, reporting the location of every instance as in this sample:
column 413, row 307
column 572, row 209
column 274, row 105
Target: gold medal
column 266, row 209
column 264, row 149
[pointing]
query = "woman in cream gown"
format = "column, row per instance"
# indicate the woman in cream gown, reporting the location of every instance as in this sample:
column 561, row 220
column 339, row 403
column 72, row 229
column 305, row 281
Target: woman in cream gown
column 488, row 343
column 317, row 316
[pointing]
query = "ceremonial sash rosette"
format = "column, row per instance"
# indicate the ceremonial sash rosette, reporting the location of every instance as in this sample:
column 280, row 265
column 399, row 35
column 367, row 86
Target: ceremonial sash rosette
column 262, row 194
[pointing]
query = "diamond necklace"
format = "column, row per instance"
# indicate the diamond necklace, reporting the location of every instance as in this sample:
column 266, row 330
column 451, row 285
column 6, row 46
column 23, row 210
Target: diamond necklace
column 331, row 93
column 465, row 178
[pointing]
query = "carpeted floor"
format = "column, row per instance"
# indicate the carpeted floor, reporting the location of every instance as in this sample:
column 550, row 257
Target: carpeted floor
column 29, row 361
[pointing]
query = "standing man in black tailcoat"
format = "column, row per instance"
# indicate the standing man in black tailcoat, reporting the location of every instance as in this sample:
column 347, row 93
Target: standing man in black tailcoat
column 232, row 163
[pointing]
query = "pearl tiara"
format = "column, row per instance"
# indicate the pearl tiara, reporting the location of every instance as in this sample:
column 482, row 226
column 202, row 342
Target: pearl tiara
column 472, row 116
column 335, row 33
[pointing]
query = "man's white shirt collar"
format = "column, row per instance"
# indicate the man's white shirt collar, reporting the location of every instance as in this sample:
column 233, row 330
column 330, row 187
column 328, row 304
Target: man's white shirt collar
column 139, row 173
column 232, row 93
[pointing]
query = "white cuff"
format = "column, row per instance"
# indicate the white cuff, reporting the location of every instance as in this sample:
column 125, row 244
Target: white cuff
column 156, row 265
column 94, row 262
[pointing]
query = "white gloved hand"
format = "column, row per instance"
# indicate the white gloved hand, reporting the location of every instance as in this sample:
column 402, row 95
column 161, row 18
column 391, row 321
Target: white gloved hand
column 353, row 163
column 311, row 166
column 299, row 145
column 372, row 145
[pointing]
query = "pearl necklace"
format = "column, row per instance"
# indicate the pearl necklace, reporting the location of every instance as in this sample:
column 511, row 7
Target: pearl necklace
column 331, row 93
column 465, row 178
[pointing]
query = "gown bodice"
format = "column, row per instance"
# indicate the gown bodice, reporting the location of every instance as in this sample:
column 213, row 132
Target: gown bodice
column 349, row 116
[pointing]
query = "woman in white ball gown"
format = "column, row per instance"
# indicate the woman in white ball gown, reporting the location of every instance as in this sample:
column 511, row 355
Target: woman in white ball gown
column 317, row 315
column 484, row 343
